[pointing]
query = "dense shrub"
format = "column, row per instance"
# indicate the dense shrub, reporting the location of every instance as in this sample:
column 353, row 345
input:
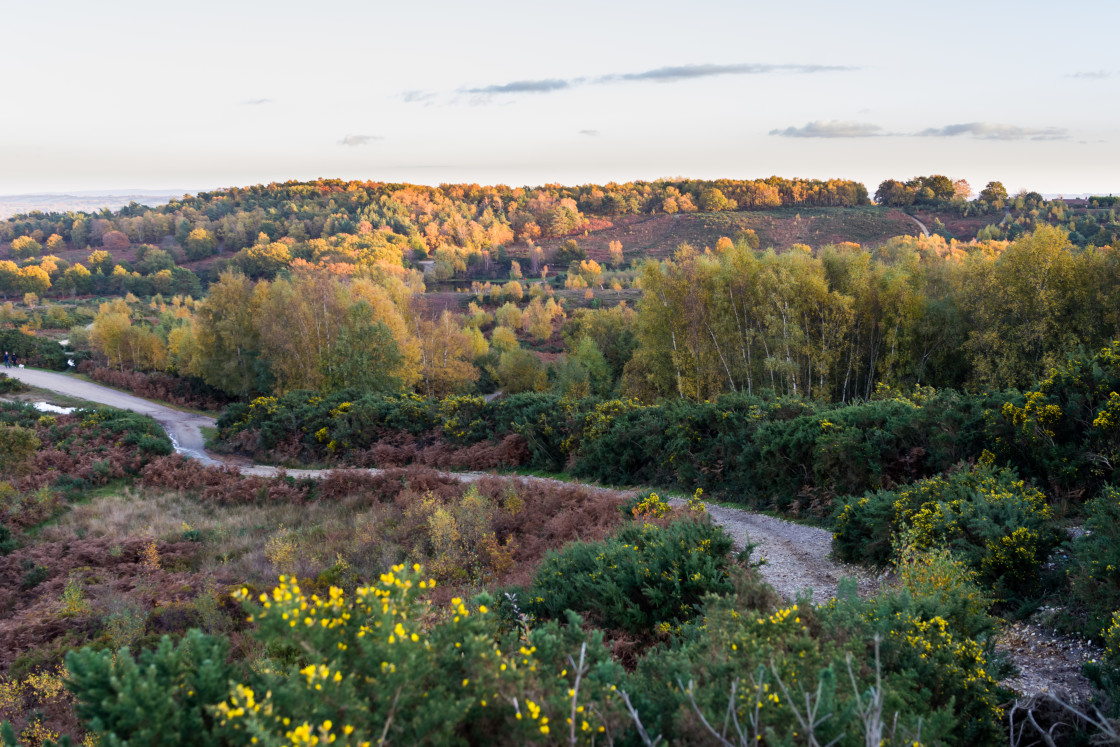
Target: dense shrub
column 645, row 577
column 364, row 667
column 160, row 696
column 381, row 662
column 1065, row 432
column 996, row 523
column 1095, row 575
column 185, row 392
column 752, row 659
column 8, row 385
column 794, row 455
column 7, row 542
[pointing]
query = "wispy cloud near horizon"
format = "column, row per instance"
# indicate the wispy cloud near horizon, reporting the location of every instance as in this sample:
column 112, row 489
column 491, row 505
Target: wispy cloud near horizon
column 995, row 131
column 1092, row 74
column 524, row 86
column 416, row 96
column 257, row 102
column 974, row 130
column 675, row 73
column 667, row 74
column 832, row 129
column 356, row 140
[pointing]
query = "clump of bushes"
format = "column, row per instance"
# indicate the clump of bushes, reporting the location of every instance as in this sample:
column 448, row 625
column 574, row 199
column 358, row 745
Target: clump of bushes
column 996, row 523
column 645, row 577
column 185, row 392
column 8, row 385
column 367, row 667
column 382, row 662
column 1065, row 431
column 47, row 460
column 794, row 455
column 751, row 664
column 1095, row 575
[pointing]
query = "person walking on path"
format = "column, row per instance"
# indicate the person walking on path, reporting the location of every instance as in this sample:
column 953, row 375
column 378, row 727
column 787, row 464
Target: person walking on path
column 7, row 360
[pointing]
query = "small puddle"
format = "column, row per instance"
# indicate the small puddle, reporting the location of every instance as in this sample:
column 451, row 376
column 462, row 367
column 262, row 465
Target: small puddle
column 48, row 407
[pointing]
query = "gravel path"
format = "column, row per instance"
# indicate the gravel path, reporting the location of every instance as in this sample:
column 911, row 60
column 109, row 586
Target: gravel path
column 1049, row 663
column 797, row 556
column 184, row 428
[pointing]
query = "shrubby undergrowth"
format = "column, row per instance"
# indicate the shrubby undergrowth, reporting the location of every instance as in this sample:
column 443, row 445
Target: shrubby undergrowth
column 997, row 524
column 786, row 453
column 381, row 663
column 792, row 454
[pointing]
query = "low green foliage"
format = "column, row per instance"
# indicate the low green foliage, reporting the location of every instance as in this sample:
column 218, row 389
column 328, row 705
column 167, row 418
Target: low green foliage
column 380, row 663
column 763, row 664
column 160, row 696
column 1065, row 431
column 353, row 669
column 1095, row 574
column 8, row 385
column 645, row 578
column 785, row 452
column 7, row 541
column 996, row 523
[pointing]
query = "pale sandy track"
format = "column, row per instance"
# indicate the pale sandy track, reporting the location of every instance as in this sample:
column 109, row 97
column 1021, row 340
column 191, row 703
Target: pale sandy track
column 797, row 556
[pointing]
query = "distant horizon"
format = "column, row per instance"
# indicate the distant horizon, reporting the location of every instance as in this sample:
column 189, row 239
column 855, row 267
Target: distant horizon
column 177, row 191
column 500, row 92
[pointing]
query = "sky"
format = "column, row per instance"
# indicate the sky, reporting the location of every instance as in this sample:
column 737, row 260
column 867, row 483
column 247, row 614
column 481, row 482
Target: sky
column 122, row 95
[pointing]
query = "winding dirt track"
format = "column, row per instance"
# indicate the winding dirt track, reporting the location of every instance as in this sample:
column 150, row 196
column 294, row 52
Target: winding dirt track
column 797, row 556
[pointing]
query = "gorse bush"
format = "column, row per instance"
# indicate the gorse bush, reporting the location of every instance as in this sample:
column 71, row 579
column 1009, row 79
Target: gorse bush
column 645, row 577
column 365, row 669
column 1065, row 431
column 889, row 670
column 992, row 520
column 647, row 506
column 382, row 664
column 938, row 584
column 1095, row 574
column 785, row 452
column 8, row 385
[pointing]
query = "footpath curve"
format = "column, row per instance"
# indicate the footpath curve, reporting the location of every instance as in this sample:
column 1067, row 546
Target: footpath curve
column 797, row 556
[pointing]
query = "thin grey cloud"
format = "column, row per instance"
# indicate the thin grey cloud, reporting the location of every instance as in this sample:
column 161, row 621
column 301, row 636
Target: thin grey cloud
column 995, row 131
column 417, row 96
column 258, row 102
column 832, row 129
column 356, row 140
column 1092, row 74
column 589, row 133
column 522, row 86
column 975, row 130
column 674, row 73
column 668, row 74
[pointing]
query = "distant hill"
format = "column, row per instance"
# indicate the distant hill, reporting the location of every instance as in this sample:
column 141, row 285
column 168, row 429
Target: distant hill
column 84, row 201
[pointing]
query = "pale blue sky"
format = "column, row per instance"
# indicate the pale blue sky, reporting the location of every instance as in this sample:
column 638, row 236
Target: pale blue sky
column 120, row 94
